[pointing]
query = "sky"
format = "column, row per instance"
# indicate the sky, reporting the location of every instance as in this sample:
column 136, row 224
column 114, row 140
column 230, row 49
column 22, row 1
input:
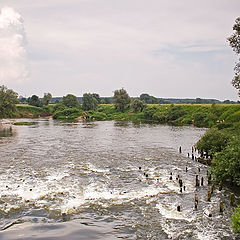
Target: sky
column 164, row 48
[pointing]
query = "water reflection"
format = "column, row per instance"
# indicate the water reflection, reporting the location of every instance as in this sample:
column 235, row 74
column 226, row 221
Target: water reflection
column 6, row 131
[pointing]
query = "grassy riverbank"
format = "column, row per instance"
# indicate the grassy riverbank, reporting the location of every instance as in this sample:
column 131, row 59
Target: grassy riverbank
column 27, row 111
column 200, row 115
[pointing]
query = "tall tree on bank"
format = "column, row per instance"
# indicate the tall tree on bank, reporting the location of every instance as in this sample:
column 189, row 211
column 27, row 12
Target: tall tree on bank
column 70, row 101
column 89, row 101
column 34, row 100
column 46, row 99
column 234, row 41
column 121, row 100
column 8, row 99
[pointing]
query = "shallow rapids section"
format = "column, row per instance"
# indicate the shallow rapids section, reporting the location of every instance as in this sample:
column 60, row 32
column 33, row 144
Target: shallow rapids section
column 104, row 180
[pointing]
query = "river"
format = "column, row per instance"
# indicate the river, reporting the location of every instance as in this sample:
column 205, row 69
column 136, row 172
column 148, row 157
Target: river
column 105, row 180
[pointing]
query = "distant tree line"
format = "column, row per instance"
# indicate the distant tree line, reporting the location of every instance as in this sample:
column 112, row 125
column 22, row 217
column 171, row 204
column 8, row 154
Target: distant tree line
column 146, row 98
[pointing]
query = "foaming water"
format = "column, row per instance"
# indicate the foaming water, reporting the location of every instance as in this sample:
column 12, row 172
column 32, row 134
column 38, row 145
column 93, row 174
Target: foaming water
column 105, row 180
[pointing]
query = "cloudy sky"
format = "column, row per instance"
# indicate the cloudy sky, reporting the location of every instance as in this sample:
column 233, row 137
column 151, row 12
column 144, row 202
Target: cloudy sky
column 163, row 48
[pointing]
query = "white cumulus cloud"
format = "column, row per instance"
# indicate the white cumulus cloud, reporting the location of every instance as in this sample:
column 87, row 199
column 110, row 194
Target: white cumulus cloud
column 13, row 57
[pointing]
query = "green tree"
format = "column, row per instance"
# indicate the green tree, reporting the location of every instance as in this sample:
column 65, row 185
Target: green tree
column 8, row 99
column 234, row 41
column 46, row 99
column 97, row 97
column 34, row 100
column 137, row 105
column 148, row 99
column 226, row 164
column 106, row 100
column 121, row 100
column 89, row 102
column 199, row 101
column 70, row 101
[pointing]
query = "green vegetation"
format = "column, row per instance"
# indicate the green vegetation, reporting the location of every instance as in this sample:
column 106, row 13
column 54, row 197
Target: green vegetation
column 27, row 111
column 34, row 100
column 234, row 41
column 24, row 123
column 137, row 105
column 212, row 141
column 236, row 220
column 148, row 99
column 90, row 101
column 46, row 99
column 121, row 100
column 70, row 101
column 8, row 100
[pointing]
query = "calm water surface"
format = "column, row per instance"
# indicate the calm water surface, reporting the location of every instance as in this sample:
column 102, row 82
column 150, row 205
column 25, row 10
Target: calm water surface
column 82, row 181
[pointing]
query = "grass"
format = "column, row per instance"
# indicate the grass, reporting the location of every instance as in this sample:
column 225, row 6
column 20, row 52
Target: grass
column 24, row 123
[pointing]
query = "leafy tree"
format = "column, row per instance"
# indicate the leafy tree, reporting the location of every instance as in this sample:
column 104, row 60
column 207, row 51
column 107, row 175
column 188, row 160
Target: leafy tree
column 22, row 100
column 212, row 141
column 234, row 41
column 106, row 100
column 97, row 97
column 8, row 99
column 34, row 101
column 137, row 105
column 121, row 100
column 89, row 102
column 46, row 99
column 226, row 164
column 199, row 101
column 148, row 99
column 70, row 101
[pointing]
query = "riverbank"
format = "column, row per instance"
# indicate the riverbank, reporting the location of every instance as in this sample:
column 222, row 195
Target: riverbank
column 200, row 115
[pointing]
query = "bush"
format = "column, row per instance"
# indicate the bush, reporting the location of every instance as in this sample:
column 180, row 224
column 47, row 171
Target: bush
column 236, row 220
column 201, row 119
column 137, row 105
column 213, row 141
column 235, row 117
column 161, row 117
column 67, row 113
column 99, row 116
column 175, row 112
column 149, row 111
column 226, row 164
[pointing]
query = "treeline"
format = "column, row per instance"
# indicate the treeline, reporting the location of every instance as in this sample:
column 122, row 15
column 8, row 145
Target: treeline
column 148, row 99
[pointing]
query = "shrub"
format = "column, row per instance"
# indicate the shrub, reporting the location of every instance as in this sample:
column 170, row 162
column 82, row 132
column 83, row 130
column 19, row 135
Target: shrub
column 160, row 116
column 175, row 112
column 226, row 164
column 212, row 141
column 149, row 112
column 201, row 119
column 137, row 105
column 67, row 113
column 236, row 220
